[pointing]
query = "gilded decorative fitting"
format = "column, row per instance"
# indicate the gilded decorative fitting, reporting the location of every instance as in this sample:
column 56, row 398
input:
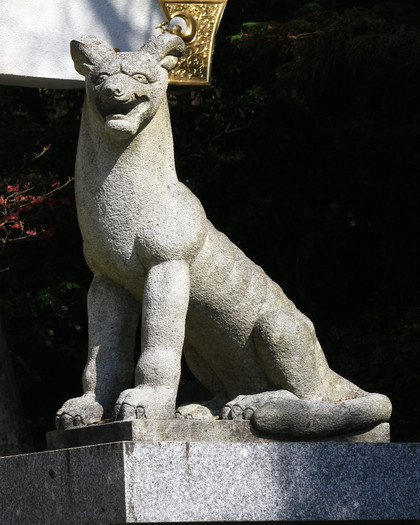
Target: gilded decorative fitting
column 197, row 24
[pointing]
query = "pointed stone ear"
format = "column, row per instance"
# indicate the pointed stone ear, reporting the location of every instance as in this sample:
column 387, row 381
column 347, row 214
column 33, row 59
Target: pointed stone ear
column 87, row 51
column 165, row 48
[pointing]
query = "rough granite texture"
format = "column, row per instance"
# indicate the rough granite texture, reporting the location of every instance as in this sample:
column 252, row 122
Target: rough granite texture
column 157, row 260
column 188, row 430
column 131, row 482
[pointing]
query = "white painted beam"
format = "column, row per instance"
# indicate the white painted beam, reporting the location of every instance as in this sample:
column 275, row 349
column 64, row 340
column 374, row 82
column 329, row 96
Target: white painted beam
column 35, row 35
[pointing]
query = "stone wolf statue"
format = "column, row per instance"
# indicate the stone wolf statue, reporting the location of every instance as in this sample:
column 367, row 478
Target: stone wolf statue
column 156, row 257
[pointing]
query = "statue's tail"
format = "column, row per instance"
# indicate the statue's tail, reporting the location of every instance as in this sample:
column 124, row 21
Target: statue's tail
column 316, row 419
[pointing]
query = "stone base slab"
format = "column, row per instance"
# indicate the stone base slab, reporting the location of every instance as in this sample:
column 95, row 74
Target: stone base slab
column 134, row 482
column 186, row 430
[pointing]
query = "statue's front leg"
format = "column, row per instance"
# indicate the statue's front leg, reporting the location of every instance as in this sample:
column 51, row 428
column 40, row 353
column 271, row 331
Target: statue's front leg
column 165, row 305
column 113, row 318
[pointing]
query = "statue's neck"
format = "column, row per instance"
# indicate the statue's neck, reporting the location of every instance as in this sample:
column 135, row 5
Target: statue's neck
column 148, row 155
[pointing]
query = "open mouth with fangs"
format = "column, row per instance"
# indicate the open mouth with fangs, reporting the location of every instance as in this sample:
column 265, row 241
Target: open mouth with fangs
column 123, row 115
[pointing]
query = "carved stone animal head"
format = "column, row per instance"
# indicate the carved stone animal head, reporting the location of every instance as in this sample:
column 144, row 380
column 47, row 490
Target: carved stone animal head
column 125, row 89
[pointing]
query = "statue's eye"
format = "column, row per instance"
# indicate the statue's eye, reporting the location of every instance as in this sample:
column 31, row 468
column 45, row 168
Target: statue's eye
column 101, row 78
column 140, row 78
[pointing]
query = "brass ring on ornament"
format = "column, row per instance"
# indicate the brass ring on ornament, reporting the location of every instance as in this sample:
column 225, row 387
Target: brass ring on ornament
column 191, row 30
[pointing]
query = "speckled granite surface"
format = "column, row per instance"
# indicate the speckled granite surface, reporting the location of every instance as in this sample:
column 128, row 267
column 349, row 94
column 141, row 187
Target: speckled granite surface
column 134, row 482
column 188, row 430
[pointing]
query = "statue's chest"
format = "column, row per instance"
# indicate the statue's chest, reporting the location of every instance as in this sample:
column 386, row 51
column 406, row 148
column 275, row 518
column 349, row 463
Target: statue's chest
column 107, row 215
column 125, row 223
column 109, row 245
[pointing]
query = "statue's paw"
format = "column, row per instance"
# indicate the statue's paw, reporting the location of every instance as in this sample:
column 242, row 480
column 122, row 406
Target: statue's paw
column 79, row 411
column 145, row 402
column 204, row 410
column 243, row 407
column 194, row 411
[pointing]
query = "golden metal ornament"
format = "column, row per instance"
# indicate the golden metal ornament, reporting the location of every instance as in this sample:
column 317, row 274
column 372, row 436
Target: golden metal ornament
column 200, row 23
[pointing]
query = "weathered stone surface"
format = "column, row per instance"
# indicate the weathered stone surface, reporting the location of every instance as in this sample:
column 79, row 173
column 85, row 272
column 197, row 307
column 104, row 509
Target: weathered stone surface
column 155, row 431
column 179, row 430
column 81, row 486
column 155, row 256
column 307, row 419
column 132, row 482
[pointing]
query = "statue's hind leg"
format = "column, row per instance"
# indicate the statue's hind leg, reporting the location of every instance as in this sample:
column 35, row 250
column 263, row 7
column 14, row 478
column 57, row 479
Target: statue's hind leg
column 293, row 359
column 309, row 399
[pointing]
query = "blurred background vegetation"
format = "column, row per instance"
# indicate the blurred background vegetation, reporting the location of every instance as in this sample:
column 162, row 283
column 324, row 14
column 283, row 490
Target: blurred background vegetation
column 305, row 151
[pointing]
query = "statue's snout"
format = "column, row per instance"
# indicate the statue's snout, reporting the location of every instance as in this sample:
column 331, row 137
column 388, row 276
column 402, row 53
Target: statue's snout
column 115, row 87
column 113, row 90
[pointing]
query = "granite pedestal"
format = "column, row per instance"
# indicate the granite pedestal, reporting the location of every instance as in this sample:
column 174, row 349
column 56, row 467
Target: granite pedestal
column 187, row 430
column 152, row 482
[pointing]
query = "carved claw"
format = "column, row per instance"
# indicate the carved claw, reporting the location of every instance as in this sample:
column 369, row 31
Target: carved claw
column 243, row 407
column 140, row 413
column 117, row 412
column 126, row 411
column 145, row 402
column 237, row 412
column 63, row 421
column 78, row 412
column 66, row 421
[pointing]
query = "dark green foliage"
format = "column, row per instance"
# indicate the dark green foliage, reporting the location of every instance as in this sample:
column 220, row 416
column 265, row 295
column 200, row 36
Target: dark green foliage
column 305, row 151
column 43, row 282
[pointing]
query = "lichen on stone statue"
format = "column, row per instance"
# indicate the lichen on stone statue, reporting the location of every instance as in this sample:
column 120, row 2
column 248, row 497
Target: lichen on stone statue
column 157, row 260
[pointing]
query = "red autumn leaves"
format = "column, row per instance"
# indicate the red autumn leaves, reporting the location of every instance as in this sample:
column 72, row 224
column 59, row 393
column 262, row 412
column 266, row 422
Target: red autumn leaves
column 19, row 206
